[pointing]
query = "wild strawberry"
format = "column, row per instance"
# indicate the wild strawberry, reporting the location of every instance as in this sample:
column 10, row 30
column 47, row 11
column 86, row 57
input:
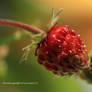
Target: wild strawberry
column 62, row 51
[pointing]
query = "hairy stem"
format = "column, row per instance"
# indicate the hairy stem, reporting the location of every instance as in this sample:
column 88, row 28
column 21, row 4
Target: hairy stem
column 21, row 25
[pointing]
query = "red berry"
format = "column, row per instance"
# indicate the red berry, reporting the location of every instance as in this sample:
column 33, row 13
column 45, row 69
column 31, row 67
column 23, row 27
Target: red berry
column 62, row 51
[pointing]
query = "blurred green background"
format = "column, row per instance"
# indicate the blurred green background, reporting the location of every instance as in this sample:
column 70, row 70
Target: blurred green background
column 77, row 14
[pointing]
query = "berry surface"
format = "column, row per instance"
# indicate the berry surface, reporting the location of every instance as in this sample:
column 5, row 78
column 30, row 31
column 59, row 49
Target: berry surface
column 62, row 51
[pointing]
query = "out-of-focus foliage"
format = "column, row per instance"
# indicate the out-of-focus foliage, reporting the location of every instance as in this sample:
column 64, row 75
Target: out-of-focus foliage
column 4, row 49
column 3, row 68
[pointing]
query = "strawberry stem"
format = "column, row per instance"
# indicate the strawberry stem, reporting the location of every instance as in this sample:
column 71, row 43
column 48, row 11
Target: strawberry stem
column 21, row 25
